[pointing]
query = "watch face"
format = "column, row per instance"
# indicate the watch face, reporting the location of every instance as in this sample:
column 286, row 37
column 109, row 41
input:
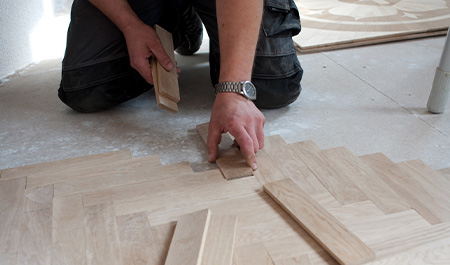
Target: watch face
column 250, row 90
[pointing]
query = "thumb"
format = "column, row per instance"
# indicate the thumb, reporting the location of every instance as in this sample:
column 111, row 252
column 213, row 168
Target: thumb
column 163, row 58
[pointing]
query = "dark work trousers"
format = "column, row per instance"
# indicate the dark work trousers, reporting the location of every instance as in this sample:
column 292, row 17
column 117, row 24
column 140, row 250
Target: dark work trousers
column 96, row 72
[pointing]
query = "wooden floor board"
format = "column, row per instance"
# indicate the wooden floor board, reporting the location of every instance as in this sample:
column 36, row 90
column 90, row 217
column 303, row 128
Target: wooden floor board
column 189, row 238
column 355, row 212
column 445, row 172
column 113, row 179
column 64, row 165
column 342, row 189
column 255, row 254
column 268, row 170
column 219, row 242
column 347, row 165
column 68, row 234
column 342, row 244
column 299, row 260
column 419, row 194
column 39, row 199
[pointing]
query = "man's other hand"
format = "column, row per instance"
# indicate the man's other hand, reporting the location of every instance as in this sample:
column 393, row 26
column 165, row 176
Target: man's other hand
column 241, row 118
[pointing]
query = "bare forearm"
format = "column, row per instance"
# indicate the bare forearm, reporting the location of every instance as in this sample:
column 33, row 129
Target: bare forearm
column 239, row 22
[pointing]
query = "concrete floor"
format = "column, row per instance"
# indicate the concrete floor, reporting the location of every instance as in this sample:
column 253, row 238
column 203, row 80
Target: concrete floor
column 369, row 99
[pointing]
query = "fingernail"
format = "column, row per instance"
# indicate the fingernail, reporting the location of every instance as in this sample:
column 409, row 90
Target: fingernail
column 170, row 65
column 254, row 166
column 210, row 158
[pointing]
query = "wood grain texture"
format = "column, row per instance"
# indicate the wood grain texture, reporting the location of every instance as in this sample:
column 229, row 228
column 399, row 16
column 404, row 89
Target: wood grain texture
column 71, row 175
column 167, row 80
column 39, row 199
column 11, row 208
column 65, row 165
column 355, row 212
column 300, row 260
column 421, row 195
column 343, row 189
column 342, row 244
column 113, row 179
column 291, row 165
column 68, row 234
column 230, row 160
column 267, row 171
column 219, row 244
column 102, row 240
column 255, row 254
column 445, row 172
column 36, row 237
column 164, row 234
column 138, row 242
column 347, row 165
column 188, row 241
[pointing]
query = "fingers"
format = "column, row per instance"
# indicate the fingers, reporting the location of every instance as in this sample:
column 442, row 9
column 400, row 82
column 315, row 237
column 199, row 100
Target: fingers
column 162, row 57
column 143, row 66
column 213, row 141
column 249, row 146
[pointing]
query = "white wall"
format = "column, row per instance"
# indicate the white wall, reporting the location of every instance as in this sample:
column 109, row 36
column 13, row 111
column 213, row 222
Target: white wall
column 31, row 31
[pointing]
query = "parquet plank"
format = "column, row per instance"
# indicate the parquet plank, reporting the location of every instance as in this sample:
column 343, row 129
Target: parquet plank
column 39, row 199
column 68, row 235
column 92, row 172
column 419, row 194
column 255, row 254
column 186, row 195
column 230, row 160
column 11, row 208
column 36, row 237
column 355, row 212
column 141, row 191
column 300, row 260
column 342, row 244
column 113, row 179
column 291, row 165
column 188, row 241
column 343, row 189
column 219, row 244
column 267, row 171
column 347, row 165
column 102, row 240
column 65, row 165
column 138, row 242
column 164, row 234
column 445, row 172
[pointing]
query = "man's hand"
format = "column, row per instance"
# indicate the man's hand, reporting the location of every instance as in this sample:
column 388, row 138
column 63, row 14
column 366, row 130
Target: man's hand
column 143, row 42
column 239, row 116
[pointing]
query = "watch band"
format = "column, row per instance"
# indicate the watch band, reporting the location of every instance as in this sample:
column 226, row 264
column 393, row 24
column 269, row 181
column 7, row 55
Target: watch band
column 245, row 88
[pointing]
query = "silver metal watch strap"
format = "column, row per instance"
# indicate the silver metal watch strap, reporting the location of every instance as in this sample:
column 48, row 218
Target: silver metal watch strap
column 235, row 87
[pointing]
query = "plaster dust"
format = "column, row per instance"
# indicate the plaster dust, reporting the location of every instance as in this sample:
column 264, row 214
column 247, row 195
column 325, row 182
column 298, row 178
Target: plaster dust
column 366, row 99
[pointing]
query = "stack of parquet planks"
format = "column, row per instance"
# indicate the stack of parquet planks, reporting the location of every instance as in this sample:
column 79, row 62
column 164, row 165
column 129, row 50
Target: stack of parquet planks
column 114, row 209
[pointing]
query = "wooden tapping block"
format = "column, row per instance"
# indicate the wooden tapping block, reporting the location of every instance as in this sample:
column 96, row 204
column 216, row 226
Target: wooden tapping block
column 165, row 82
column 219, row 244
column 65, row 165
column 188, row 241
column 230, row 160
column 340, row 242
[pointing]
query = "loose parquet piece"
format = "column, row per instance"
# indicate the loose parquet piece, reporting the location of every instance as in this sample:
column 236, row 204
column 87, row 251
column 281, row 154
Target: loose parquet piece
column 68, row 238
column 188, row 241
column 11, row 208
column 72, row 175
column 138, row 242
column 421, row 195
column 219, row 244
column 255, row 254
column 65, row 165
column 342, row 189
column 342, row 244
column 102, row 241
column 347, row 165
column 291, row 165
column 230, row 160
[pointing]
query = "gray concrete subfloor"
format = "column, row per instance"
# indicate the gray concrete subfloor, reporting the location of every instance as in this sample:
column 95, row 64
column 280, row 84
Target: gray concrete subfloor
column 368, row 99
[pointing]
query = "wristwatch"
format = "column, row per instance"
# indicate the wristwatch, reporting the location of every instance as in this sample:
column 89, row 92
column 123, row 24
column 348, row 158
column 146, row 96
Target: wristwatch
column 246, row 88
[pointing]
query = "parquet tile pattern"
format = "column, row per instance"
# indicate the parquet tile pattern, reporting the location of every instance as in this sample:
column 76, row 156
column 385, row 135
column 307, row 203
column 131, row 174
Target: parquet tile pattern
column 115, row 209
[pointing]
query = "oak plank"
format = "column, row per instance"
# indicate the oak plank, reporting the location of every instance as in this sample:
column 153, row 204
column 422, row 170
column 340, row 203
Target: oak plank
column 268, row 170
column 110, row 179
column 300, row 260
column 188, row 241
column 138, row 242
column 219, row 244
column 91, row 172
column 341, row 243
column 344, row 190
column 102, row 240
column 164, row 234
column 65, row 165
column 167, row 80
column 355, row 212
column 68, row 235
column 36, row 237
column 421, row 195
column 230, row 160
column 11, row 208
column 347, row 165
column 39, row 199
column 291, row 165
column 445, row 172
